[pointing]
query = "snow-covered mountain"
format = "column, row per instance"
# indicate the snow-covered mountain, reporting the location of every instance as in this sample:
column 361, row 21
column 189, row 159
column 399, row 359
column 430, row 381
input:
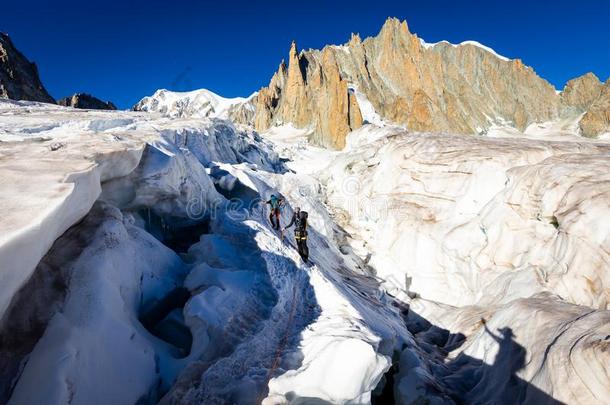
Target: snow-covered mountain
column 200, row 103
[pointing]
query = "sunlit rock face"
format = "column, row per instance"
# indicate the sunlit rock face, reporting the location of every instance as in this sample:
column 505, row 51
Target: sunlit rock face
column 311, row 91
column 588, row 96
column 581, row 92
column 597, row 118
column 464, row 89
column 426, row 87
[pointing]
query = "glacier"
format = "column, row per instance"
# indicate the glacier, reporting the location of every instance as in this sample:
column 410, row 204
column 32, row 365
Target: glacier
column 137, row 264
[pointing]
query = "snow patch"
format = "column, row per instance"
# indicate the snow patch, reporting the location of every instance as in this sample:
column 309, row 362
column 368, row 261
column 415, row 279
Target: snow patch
column 343, row 48
column 369, row 115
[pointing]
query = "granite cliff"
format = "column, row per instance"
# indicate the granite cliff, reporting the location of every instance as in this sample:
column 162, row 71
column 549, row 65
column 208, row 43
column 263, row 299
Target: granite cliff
column 441, row 87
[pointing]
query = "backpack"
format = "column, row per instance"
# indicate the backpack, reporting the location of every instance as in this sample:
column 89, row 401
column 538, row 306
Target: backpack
column 303, row 219
column 274, row 202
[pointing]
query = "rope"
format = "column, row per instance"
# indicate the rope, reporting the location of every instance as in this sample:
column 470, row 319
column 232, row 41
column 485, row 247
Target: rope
column 282, row 345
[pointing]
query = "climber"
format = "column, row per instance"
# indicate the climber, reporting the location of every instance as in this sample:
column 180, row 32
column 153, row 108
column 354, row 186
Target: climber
column 276, row 203
column 299, row 219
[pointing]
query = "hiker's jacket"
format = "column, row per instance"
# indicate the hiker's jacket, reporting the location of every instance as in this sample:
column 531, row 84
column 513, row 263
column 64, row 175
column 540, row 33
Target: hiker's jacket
column 275, row 203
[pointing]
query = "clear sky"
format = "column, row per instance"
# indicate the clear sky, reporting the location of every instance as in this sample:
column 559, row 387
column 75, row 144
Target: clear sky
column 124, row 50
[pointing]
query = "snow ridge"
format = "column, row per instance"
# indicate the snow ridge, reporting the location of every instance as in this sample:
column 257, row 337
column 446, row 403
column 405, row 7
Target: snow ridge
column 464, row 43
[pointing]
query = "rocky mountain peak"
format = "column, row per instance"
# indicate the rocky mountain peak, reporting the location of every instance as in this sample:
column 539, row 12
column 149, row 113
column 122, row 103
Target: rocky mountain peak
column 294, row 51
column 596, row 120
column 295, row 75
column 394, row 27
column 86, row 101
column 462, row 89
column 18, row 76
column 579, row 93
column 354, row 40
column 310, row 92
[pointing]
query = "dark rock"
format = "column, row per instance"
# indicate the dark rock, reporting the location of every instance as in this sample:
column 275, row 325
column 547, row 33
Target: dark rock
column 86, row 101
column 18, row 76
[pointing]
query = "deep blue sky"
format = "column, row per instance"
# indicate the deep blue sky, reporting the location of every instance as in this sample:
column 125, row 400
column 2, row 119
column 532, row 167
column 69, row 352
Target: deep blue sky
column 124, row 50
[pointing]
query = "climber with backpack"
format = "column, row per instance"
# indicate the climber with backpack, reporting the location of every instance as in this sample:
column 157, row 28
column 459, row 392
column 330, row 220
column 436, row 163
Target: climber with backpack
column 275, row 203
column 299, row 219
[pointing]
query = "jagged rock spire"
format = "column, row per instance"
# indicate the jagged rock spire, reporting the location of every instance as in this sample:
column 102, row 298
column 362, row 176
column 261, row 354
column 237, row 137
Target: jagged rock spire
column 295, row 75
column 394, row 25
column 355, row 39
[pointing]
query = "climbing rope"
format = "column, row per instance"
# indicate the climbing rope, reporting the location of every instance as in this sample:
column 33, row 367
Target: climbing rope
column 283, row 341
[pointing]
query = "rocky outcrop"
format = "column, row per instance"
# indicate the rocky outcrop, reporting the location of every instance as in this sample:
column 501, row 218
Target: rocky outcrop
column 596, row 120
column 86, row 101
column 18, row 76
column 311, row 91
column 588, row 96
column 426, row 87
column 579, row 93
